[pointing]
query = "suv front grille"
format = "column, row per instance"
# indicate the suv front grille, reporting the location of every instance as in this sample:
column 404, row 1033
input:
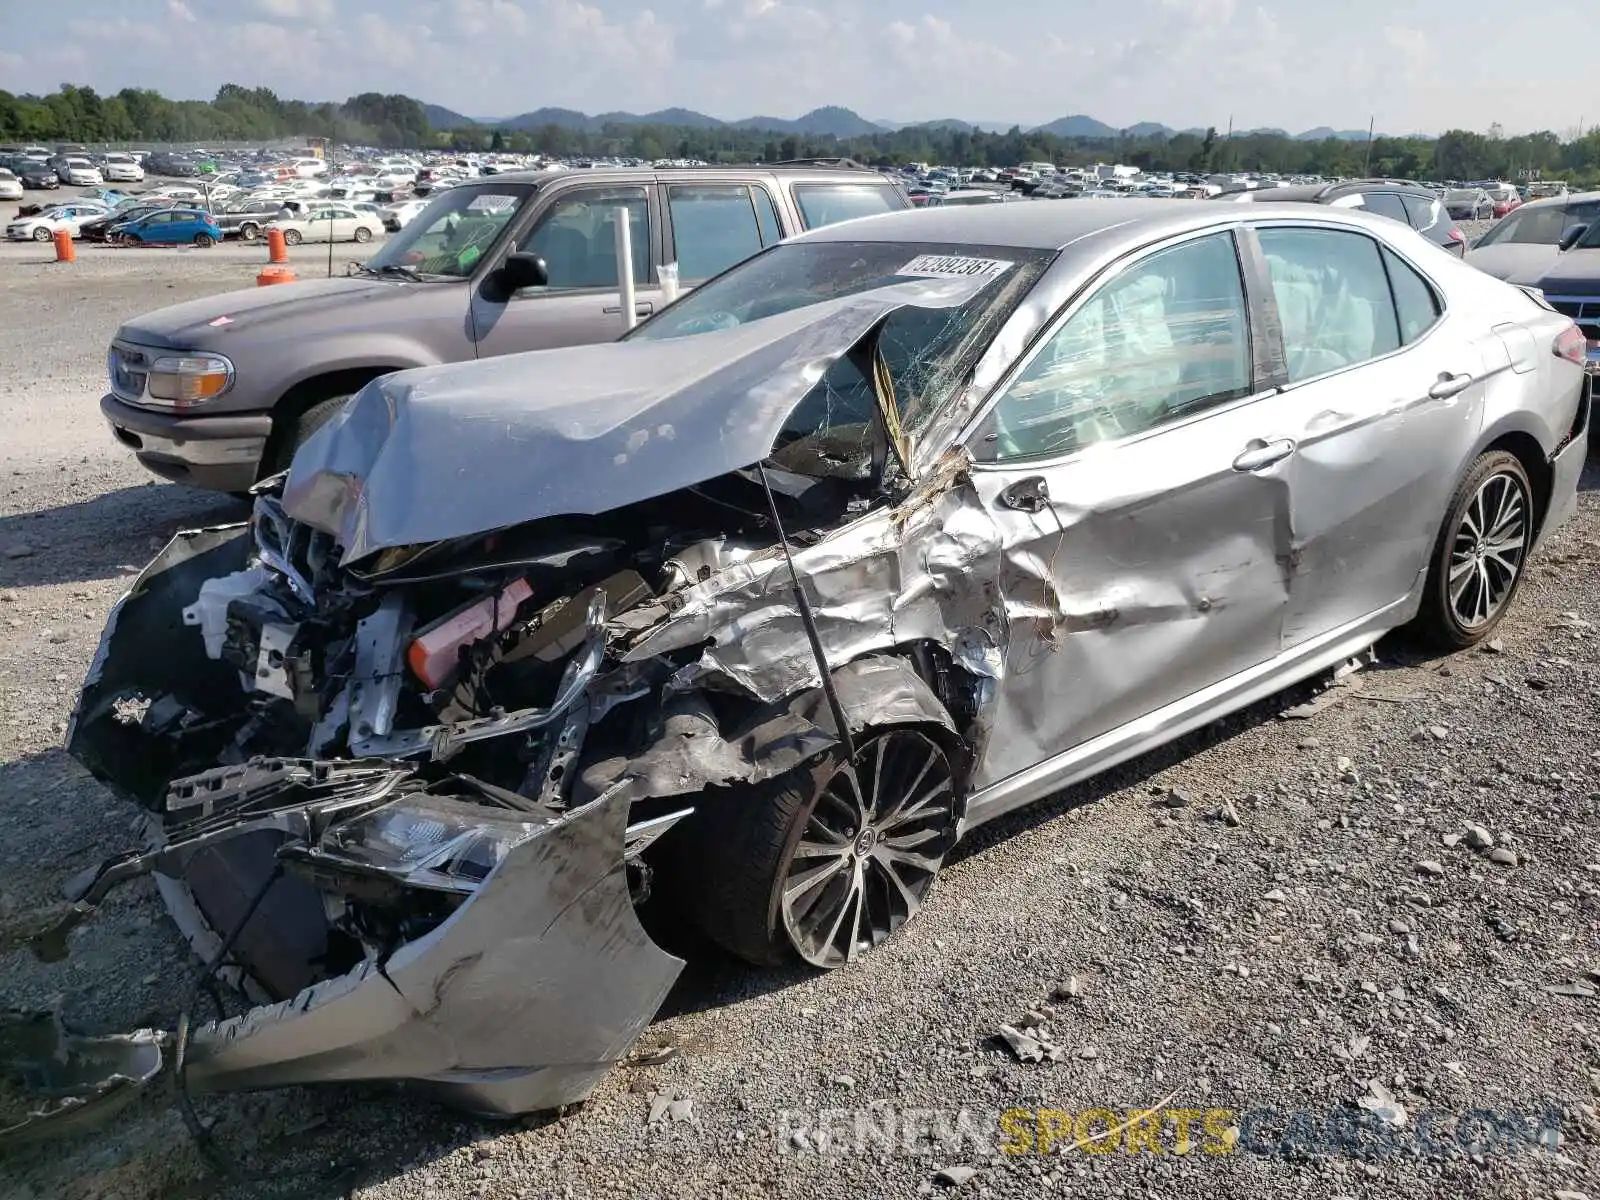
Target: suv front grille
column 129, row 368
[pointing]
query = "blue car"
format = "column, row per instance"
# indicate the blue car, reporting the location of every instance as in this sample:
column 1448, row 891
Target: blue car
column 170, row 227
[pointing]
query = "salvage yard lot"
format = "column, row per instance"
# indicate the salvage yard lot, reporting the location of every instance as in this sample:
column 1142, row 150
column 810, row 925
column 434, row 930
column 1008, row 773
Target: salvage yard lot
column 1266, row 916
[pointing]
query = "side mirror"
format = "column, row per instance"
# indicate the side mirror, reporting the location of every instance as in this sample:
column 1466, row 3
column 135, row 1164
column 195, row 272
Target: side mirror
column 522, row 269
column 1569, row 237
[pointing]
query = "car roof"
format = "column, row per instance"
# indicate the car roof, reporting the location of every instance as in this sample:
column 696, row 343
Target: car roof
column 1056, row 224
column 1035, row 224
column 1568, row 198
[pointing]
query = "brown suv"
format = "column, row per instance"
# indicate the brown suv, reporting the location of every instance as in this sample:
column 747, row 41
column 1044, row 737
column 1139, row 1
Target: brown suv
column 219, row 392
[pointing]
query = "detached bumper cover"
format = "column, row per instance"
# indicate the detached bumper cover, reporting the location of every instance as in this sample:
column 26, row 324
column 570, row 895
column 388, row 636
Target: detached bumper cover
column 522, row 1000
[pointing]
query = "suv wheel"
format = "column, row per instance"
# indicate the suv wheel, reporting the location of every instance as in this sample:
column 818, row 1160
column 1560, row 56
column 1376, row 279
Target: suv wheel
column 249, row 231
column 307, row 423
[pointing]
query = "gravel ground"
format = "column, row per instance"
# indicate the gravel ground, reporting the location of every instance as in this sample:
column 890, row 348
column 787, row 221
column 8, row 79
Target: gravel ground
column 1283, row 913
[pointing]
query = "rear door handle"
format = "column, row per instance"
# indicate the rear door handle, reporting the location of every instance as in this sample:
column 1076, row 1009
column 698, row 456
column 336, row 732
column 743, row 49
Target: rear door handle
column 642, row 309
column 1259, row 455
column 1450, row 385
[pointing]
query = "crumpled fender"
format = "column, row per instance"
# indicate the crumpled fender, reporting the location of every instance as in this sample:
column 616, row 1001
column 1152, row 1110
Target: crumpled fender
column 521, row 1000
column 692, row 752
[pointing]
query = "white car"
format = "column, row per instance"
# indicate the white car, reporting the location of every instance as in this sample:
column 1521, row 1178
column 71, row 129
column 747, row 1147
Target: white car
column 80, row 172
column 397, row 216
column 42, row 228
column 334, row 223
column 122, row 168
column 10, row 186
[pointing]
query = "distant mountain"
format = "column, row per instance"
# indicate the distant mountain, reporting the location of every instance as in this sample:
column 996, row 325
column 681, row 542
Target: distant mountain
column 945, row 125
column 833, row 121
column 830, row 121
column 1323, row 132
column 566, row 118
column 444, row 118
column 1077, row 126
column 685, row 118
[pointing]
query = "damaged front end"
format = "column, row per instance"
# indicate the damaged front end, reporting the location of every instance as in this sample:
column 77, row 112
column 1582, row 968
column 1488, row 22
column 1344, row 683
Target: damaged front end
column 411, row 800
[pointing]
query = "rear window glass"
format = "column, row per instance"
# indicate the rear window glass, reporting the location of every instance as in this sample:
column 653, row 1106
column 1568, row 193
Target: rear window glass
column 829, row 203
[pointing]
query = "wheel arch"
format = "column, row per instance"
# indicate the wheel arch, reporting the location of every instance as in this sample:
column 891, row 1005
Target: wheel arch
column 1529, row 451
column 322, row 384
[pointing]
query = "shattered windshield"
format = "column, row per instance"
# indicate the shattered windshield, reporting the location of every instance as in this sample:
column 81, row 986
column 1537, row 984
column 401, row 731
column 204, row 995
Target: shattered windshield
column 451, row 236
column 919, row 356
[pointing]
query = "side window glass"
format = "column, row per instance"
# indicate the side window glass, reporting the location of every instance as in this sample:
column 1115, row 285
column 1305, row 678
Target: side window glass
column 767, row 217
column 1387, row 204
column 1333, row 298
column 714, row 226
column 829, row 203
column 1166, row 338
column 578, row 238
column 1424, row 213
column 1415, row 301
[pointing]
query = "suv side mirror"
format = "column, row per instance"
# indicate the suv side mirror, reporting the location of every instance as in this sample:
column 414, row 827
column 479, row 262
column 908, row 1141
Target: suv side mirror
column 1569, row 238
column 522, row 269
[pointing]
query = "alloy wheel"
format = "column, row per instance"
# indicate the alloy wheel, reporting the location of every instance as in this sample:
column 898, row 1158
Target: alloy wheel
column 869, row 849
column 1487, row 552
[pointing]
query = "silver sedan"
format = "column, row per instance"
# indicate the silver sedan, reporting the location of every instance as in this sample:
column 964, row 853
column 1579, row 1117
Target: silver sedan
column 893, row 528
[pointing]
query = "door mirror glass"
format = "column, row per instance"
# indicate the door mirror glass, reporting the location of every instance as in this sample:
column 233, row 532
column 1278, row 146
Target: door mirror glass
column 1570, row 236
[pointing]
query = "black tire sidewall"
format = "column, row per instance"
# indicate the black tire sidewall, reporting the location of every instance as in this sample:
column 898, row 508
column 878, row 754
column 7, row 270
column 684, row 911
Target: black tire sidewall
column 1437, row 619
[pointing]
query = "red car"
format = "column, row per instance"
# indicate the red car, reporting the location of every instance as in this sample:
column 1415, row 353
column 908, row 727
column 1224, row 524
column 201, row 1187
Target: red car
column 1505, row 201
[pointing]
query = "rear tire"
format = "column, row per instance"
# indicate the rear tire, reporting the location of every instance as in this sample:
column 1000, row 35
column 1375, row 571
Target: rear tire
column 1480, row 554
column 826, row 861
column 249, row 232
column 204, row 240
column 363, row 234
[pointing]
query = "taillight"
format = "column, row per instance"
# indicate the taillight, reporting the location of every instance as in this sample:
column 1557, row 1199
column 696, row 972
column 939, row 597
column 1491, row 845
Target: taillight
column 1457, row 240
column 1572, row 345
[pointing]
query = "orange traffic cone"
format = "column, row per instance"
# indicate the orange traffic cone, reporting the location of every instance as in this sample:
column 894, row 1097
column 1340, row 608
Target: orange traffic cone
column 271, row 275
column 65, row 251
column 277, row 248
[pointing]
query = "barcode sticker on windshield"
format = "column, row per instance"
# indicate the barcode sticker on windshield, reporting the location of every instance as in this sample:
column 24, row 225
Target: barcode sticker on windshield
column 952, row 266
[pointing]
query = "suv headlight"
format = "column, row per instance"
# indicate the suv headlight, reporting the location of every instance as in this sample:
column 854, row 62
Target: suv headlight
column 184, row 379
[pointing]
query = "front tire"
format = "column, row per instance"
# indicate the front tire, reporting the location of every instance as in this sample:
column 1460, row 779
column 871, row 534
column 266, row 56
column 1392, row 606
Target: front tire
column 826, row 861
column 306, row 424
column 1480, row 554
column 42, row 234
column 363, row 234
column 291, row 237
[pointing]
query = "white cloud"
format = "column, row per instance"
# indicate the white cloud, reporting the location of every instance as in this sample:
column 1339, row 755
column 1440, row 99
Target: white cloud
column 179, row 11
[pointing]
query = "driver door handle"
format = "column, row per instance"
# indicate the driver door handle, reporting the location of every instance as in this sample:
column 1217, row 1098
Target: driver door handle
column 1450, row 385
column 1258, row 454
column 641, row 309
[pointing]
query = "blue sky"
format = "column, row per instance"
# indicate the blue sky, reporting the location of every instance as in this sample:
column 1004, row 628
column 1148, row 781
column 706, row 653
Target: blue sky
column 1416, row 65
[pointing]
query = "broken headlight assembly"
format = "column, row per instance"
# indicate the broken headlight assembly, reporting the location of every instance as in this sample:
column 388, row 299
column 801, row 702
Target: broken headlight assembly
column 427, row 842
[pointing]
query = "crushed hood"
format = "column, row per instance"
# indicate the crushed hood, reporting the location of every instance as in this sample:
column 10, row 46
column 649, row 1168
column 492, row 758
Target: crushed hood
column 1515, row 262
column 444, row 452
